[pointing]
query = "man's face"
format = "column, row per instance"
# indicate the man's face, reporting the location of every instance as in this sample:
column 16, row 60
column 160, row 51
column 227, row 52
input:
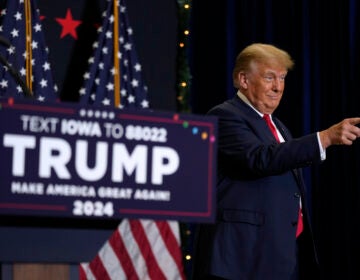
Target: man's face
column 264, row 85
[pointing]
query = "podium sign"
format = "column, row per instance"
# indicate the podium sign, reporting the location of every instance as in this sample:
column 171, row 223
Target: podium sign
column 68, row 160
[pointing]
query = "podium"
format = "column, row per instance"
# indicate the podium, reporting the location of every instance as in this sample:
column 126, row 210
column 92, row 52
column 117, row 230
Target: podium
column 70, row 173
column 34, row 250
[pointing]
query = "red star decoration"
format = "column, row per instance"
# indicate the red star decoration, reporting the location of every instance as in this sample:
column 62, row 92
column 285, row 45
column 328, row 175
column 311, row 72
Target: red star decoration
column 68, row 25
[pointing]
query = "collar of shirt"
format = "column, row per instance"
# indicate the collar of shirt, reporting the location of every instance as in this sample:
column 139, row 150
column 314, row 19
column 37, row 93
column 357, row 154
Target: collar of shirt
column 244, row 98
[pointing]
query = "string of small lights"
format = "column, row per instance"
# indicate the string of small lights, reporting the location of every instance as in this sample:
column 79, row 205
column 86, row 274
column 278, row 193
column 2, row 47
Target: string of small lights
column 183, row 105
column 183, row 70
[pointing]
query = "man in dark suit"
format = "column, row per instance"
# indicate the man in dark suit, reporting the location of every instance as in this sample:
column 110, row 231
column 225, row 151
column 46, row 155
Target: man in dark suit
column 262, row 230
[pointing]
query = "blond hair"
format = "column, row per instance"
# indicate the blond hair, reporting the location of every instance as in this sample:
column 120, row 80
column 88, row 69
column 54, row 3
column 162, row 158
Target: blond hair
column 261, row 53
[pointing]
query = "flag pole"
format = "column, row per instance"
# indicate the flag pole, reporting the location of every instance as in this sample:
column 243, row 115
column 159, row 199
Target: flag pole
column 116, row 58
column 28, row 40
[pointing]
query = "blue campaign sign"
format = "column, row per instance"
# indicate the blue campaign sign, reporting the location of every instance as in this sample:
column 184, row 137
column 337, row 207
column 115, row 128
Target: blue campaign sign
column 67, row 160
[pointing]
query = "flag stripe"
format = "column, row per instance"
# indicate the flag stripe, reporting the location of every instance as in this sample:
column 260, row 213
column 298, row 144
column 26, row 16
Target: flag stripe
column 82, row 273
column 98, row 269
column 85, row 272
column 133, row 249
column 145, row 248
column 163, row 257
column 111, row 262
column 172, row 242
column 119, row 248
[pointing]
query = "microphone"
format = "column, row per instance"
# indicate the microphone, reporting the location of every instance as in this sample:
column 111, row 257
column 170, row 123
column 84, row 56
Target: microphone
column 16, row 76
column 13, row 72
column 5, row 42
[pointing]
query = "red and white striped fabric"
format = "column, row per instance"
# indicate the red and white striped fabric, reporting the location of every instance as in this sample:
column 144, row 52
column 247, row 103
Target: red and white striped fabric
column 138, row 249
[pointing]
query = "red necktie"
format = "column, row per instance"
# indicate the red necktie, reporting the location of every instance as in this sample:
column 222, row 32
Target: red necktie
column 266, row 117
column 300, row 225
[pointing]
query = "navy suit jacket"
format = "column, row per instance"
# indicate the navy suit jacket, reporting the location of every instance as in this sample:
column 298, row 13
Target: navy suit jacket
column 258, row 189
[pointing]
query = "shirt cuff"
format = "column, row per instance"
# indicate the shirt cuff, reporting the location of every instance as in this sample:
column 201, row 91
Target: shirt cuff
column 322, row 150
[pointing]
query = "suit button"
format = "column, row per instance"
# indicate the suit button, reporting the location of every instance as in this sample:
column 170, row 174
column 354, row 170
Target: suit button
column 297, row 195
column 293, row 223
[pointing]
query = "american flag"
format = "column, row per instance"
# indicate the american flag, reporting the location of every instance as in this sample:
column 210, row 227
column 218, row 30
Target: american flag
column 14, row 53
column 138, row 249
column 99, row 81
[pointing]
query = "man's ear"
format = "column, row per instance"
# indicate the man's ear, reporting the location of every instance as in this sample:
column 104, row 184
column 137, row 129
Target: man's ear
column 243, row 80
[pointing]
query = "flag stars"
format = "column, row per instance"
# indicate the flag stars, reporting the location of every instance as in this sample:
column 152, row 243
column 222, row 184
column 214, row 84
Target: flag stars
column 132, row 89
column 37, row 27
column 110, row 86
column 137, row 67
column 135, row 83
column 127, row 46
column 113, row 71
column 4, row 83
column 145, row 104
column 40, row 78
column 108, row 35
column 11, row 50
column 46, row 66
column 43, row 83
column 15, row 33
column 105, row 50
column 18, row 16
column 87, row 76
column 131, row 99
column 34, row 45
column 123, row 92
column 106, row 102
